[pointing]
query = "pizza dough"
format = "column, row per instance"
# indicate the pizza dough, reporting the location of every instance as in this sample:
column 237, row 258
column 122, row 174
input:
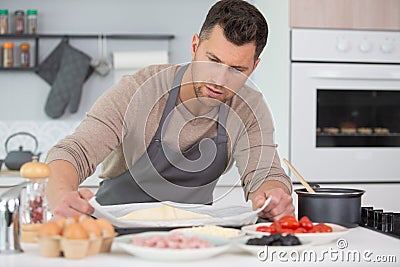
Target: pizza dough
column 162, row 213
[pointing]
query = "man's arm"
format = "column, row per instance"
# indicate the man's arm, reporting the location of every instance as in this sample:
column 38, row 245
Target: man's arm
column 76, row 156
column 258, row 161
column 61, row 191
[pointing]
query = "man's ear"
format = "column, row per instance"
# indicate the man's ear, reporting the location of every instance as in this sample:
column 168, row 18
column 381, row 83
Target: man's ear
column 256, row 63
column 195, row 44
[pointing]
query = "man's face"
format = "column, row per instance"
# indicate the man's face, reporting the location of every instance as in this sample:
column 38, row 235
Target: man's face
column 219, row 67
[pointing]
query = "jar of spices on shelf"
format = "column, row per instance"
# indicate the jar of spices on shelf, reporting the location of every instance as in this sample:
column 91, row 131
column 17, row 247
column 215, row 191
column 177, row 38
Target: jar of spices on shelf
column 19, row 21
column 31, row 21
column 8, row 55
column 3, row 21
column 24, row 54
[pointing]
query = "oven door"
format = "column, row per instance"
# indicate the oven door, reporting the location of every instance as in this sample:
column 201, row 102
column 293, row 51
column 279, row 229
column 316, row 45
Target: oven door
column 345, row 122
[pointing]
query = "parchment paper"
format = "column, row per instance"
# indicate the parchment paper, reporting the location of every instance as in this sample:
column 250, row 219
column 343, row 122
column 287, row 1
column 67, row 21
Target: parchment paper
column 224, row 216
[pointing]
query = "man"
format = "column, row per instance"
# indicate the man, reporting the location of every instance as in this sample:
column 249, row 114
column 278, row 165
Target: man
column 168, row 132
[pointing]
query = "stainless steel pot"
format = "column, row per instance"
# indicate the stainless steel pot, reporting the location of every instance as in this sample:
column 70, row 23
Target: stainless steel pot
column 333, row 205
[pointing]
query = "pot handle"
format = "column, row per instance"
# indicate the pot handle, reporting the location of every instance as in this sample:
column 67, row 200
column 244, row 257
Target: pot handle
column 22, row 133
column 314, row 185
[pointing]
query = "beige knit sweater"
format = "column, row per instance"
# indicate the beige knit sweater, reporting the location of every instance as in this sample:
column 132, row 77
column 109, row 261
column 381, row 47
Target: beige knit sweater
column 120, row 125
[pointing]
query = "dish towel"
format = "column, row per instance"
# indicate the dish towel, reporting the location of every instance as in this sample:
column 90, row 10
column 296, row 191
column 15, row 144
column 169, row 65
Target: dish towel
column 66, row 69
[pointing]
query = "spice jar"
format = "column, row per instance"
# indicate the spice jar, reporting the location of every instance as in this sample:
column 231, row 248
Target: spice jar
column 35, row 207
column 3, row 21
column 31, row 21
column 25, row 55
column 19, row 21
column 8, row 55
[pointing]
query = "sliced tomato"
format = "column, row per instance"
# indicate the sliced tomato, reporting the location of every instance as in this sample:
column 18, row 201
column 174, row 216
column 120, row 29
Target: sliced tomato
column 323, row 228
column 288, row 218
column 306, row 224
column 290, row 224
column 305, row 219
column 287, row 231
column 266, row 229
column 300, row 230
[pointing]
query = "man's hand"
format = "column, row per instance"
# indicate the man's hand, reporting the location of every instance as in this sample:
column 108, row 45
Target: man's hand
column 74, row 203
column 281, row 203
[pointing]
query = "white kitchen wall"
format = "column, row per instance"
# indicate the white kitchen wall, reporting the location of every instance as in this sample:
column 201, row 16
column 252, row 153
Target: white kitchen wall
column 273, row 73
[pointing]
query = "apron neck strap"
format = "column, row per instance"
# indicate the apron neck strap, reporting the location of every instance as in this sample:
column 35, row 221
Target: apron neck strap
column 173, row 96
column 222, row 117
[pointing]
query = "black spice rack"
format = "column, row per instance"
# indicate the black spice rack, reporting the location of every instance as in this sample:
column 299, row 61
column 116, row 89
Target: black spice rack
column 387, row 223
column 37, row 37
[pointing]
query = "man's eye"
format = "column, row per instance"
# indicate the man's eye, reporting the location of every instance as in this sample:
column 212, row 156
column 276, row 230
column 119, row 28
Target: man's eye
column 234, row 70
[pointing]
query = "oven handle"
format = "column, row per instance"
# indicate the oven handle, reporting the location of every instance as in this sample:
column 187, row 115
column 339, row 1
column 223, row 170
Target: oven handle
column 338, row 75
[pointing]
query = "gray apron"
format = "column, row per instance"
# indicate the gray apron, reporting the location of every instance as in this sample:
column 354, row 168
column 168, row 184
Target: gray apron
column 158, row 176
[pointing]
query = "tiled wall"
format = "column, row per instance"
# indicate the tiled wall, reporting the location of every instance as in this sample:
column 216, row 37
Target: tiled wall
column 47, row 133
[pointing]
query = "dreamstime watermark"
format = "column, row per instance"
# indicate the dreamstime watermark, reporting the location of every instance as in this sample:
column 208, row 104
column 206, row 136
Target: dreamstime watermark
column 339, row 254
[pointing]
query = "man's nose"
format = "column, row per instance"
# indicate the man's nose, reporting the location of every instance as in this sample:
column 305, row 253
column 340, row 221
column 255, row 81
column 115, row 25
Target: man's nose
column 220, row 75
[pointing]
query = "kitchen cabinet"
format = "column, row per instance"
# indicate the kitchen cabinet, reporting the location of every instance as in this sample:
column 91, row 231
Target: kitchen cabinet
column 35, row 38
column 345, row 14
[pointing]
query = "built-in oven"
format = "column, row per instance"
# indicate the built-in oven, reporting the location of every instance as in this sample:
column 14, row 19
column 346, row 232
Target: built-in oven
column 345, row 105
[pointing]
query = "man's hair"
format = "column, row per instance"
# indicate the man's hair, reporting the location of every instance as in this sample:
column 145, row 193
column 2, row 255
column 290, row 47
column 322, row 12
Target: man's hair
column 242, row 23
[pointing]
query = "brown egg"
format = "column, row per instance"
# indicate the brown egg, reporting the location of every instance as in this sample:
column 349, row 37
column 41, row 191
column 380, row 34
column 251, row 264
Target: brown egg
column 69, row 221
column 61, row 222
column 107, row 228
column 80, row 218
column 75, row 231
column 49, row 229
column 91, row 227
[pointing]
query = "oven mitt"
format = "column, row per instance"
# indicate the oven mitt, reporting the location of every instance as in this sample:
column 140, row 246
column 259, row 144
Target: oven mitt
column 67, row 85
column 49, row 68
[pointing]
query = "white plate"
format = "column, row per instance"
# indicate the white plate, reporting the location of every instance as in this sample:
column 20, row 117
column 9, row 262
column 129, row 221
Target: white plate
column 313, row 238
column 221, row 244
column 255, row 250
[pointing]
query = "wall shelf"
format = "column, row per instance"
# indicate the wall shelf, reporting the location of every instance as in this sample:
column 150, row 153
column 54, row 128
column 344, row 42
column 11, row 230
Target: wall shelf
column 90, row 36
column 17, row 69
column 37, row 37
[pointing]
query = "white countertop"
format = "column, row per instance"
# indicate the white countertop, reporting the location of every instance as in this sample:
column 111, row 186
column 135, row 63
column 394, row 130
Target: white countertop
column 360, row 239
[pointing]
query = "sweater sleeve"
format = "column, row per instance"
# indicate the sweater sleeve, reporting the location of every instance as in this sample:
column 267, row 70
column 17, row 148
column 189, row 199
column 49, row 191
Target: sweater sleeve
column 98, row 134
column 255, row 152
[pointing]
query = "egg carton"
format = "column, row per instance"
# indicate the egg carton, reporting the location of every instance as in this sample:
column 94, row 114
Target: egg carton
column 55, row 246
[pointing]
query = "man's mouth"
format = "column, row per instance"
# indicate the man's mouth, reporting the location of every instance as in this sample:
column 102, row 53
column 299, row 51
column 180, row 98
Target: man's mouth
column 212, row 92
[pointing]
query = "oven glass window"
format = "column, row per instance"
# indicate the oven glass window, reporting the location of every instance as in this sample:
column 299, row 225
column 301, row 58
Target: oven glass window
column 358, row 118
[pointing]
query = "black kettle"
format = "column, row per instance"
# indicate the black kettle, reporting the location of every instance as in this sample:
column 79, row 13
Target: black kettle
column 15, row 159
